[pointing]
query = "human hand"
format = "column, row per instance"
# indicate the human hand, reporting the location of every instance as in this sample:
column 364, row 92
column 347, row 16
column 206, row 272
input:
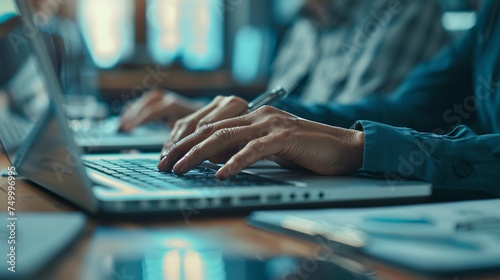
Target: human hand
column 268, row 132
column 157, row 105
column 221, row 108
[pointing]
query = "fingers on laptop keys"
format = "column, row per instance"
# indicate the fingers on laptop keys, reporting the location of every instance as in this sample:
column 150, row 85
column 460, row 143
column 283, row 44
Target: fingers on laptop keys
column 248, row 139
column 267, row 132
column 157, row 105
column 140, row 110
column 219, row 109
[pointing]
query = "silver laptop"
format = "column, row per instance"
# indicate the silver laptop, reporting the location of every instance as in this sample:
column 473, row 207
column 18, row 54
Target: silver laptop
column 92, row 134
column 47, row 154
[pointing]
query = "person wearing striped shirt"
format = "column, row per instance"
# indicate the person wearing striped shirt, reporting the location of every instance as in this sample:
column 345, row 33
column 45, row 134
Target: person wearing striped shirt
column 441, row 125
column 337, row 51
column 344, row 50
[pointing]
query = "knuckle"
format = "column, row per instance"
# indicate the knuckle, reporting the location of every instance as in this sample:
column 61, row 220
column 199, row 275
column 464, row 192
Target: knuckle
column 224, row 101
column 205, row 128
column 195, row 151
column 171, row 145
column 225, row 134
column 201, row 126
column 257, row 145
column 292, row 123
column 236, row 100
column 204, row 122
column 266, row 109
column 284, row 134
column 188, row 122
column 275, row 122
column 280, row 122
column 263, row 131
column 218, row 98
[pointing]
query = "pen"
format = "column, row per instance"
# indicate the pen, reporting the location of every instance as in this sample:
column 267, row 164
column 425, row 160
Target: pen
column 267, row 98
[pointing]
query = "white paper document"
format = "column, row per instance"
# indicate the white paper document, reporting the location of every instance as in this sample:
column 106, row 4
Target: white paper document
column 435, row 238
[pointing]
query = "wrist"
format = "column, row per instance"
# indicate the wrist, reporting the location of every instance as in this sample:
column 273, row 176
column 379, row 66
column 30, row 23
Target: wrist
column 358, row 149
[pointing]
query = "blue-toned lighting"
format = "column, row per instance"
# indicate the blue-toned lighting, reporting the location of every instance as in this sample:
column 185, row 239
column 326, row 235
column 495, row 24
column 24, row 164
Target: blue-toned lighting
column 203, row 28
column 164, row 38
column 247, row 54
column 186, row 29
column 459, row 21
column 184, row 264
column 7, row 7
column 285, row 10
column 108, row 29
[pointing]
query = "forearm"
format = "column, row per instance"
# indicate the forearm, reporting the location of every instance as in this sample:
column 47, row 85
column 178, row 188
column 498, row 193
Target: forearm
column 460, row 159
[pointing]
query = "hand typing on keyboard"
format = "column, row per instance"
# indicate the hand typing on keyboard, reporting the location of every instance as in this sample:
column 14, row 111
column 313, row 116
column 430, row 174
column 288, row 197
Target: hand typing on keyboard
column 156, row 105
column 144, row 174
column 268, row 133
column 221, row 108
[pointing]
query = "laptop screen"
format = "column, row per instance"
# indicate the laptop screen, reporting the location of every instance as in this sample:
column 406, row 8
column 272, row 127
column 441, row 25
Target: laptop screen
column 33, row 129
column 23, row 93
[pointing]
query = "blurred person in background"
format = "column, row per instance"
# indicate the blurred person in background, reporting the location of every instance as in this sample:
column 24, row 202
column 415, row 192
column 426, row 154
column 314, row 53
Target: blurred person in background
column 336, row 51
column 441, row 125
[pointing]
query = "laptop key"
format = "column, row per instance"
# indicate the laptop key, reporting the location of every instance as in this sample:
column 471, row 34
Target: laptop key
column 144, row 174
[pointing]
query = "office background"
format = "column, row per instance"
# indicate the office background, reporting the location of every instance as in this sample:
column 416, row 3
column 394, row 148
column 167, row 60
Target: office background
column 195, row 47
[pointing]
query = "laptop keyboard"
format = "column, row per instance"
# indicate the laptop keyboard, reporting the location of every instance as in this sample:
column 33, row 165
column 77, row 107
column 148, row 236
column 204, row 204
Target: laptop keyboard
column 144, row 173
column 14, row 130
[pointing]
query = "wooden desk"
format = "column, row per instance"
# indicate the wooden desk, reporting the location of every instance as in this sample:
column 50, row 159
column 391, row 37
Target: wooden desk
column 231, row 233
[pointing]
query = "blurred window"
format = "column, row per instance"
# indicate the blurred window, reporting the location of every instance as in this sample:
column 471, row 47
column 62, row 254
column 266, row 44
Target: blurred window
column 189, row 30
column 7, row 6
column 459, row 21
column 108, row 29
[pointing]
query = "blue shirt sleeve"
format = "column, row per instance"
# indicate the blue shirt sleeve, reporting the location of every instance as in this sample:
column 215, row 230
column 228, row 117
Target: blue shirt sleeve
column 459, row 159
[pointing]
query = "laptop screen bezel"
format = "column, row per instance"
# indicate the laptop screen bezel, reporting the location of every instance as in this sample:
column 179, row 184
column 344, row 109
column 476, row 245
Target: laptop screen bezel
column 81, row 197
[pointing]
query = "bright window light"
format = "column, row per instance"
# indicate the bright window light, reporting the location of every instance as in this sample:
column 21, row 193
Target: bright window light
column 247, row 54
column 108, row 29
column 164, row 35
column 186, row 29
column 459, row 21
column 7, row 7
column 184, row 264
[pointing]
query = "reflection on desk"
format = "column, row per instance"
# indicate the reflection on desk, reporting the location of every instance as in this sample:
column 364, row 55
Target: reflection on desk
column 159, row 254
column 124, row 249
